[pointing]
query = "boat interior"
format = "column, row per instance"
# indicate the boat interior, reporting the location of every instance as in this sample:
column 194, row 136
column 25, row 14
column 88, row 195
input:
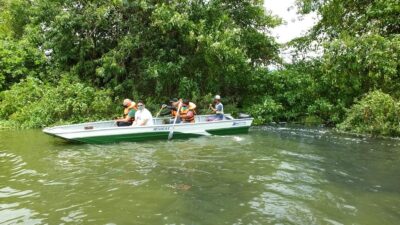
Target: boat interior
column 197, row 119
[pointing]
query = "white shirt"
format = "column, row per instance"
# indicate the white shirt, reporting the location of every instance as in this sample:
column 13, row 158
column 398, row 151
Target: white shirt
column 219, row 108
column 142, row 115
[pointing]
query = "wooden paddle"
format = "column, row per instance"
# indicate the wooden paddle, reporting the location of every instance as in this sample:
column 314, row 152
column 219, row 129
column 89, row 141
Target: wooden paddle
column 162, row 107
column 171, row 132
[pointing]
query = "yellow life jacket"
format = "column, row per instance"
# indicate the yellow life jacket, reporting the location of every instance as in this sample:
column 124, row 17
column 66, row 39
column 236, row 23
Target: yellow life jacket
column 192, row 107
column 129, row 108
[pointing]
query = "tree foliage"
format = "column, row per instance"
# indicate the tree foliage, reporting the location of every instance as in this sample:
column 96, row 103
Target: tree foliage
column 359, row 45
column 19, row 59
column 31, row 103
column 376, row 114
column 153, row 50
column 360, row 52
column 129, row 46
column 138, row 49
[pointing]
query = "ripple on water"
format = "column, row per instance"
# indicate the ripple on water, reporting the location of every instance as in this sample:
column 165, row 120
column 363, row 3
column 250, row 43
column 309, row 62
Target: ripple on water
column 75, row 216
column 14, row 201
column 279, row 209
column 282, row 176
column 310, row 134
column 7, row 192
column 14, row 214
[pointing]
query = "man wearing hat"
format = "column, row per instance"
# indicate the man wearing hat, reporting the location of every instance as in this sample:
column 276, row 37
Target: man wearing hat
column 169, row 109
column 218, row 110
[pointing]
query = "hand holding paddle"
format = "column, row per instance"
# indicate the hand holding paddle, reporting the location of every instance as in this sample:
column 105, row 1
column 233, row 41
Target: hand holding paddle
column 162, row 107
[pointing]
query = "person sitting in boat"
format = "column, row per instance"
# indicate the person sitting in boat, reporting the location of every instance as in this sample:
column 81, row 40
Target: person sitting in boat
column 186, row 113
column 218, row 110
column 190, row 105
column 169, row 109
column 129, row 113
column 143, row 116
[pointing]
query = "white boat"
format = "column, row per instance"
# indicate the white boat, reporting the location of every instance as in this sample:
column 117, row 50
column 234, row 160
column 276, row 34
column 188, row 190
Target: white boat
column 108, row 132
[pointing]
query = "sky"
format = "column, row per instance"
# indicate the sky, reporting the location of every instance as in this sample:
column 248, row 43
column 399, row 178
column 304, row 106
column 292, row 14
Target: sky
column 294, row 25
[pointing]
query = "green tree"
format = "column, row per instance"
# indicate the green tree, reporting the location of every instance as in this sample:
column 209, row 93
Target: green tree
column 142, row 49
column 360, row 43
column 130, row 46
column 14, row 16
column 19, row 59
column 32, row 103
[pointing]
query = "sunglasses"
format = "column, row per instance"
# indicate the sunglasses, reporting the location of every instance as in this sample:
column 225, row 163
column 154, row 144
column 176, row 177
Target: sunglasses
column 140, row 105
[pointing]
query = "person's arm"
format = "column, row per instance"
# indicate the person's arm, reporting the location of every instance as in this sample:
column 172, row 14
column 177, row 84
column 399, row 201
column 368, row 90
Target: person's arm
column 173, row 112
column 143, row 122
column 212, row 108
column 189, row 115
column 126, row 119
column 129, row 118
column 135, row 122
column 167, row 110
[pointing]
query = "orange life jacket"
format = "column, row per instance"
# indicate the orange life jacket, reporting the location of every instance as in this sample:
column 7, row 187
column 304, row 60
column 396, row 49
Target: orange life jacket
column 184, row 117
column 173, row 113
column 191, row 106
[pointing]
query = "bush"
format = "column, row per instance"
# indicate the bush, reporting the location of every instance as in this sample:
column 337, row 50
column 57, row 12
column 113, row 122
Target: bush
column 33, row 104
column 376, row 114
column 20, row 95
column 266, row 112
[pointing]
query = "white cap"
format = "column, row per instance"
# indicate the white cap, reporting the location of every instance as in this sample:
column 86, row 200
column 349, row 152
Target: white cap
column 217, row 97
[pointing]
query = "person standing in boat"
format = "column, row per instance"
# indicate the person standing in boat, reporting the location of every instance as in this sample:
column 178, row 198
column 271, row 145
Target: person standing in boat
column 218, row 110
column 143, row 116
column 129, row 113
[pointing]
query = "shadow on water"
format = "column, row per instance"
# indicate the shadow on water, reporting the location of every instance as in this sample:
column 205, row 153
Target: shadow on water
column 273, row 175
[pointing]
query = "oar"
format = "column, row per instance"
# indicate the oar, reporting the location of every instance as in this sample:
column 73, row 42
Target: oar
column 171, row 132
column 210, row 108
column 162, row 107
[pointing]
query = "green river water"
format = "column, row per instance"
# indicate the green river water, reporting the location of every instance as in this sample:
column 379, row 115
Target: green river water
column 273, row 175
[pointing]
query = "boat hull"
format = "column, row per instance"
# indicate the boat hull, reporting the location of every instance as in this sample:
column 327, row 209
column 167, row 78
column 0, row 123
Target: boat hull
column 108, row 132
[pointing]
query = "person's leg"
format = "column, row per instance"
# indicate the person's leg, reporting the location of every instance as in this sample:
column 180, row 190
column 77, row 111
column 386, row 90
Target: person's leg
column 211, row 118
column 178, row 120
column 219, row 117
column 124, row 124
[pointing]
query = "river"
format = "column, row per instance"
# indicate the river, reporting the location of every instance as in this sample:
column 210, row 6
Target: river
column 273, row 175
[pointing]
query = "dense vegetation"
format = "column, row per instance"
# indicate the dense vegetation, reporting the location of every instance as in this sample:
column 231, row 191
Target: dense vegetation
column 68, row 61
